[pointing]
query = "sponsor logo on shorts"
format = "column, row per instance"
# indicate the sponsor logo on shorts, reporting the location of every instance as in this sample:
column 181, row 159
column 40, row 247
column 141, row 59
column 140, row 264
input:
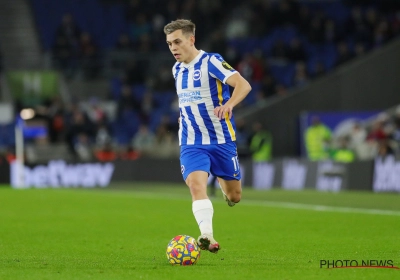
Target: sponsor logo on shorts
column 182, row 169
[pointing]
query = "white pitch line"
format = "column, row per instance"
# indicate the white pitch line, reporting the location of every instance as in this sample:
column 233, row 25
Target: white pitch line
column 286, row 205
column 322, row 208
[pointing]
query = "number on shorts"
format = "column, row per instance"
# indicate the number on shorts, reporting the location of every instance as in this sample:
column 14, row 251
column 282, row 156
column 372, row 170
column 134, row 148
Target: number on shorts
column 235, row 162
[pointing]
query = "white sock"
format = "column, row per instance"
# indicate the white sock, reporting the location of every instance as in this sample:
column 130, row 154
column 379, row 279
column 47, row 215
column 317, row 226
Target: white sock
column 203, row 212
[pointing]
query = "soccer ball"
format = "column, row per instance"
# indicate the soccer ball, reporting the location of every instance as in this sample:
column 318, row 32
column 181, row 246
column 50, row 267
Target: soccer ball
column 183, row 250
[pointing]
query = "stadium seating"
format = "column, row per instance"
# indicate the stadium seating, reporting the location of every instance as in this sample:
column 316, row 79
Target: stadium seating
column 105, row 22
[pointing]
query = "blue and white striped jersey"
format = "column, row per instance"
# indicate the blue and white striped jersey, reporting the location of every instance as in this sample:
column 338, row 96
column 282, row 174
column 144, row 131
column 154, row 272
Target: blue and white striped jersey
column 201, row 87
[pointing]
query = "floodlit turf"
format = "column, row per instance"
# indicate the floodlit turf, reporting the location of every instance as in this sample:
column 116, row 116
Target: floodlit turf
column 122, row 233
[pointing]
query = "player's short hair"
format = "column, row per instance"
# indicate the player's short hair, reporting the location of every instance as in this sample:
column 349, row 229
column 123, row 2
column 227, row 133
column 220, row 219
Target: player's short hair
column 185, row 25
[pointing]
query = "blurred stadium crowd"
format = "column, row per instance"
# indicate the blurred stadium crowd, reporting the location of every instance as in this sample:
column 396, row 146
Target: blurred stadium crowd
column 276, row 45
column 381, row 138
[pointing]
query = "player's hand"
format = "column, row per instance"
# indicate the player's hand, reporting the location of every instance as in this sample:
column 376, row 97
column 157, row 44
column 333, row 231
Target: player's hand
column 221, row 111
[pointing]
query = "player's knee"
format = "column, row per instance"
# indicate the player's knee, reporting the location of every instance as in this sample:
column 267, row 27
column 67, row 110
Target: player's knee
column 235, row 197
column 195, row 186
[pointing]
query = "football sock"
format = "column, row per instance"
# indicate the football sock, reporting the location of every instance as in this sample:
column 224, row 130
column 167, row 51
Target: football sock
column 203, row 212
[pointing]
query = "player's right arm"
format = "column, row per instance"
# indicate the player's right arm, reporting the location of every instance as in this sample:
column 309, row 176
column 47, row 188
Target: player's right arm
column 241, row 90
column 222, row 71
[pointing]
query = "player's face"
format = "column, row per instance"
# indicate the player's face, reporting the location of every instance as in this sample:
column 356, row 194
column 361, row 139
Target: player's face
column 180, row 45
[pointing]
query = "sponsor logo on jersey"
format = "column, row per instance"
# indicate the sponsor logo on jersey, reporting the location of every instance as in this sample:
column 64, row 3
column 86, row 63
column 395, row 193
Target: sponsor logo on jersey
column 226, row 65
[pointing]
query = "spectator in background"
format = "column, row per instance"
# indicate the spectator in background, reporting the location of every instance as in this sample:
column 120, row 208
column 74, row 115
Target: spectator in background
column 377, row 132
column 135, row 72
column 145, row 44
column 158, row 21
column 251, row 68
column 355, row 20
column 170, row 124
column 395, row 23
column 1, row 62
column 64, row 56
column 371, row 19
column 279, row 51
column 359, row 49
column 286, row 12
column 56, row 120
column 281, row 90
column 330, row 32
column 381, row 34
column 65, row 49
column 384, row 149
column 95, row 112
column 10, row 155
column 387, row 124
column 304, row 19
column 106, row 153
column 260, row 144
column 233, row 55
column 124, row 43
column 262, row 17
column 162, row 81
column 319, row 69
column 242, row 138
column 357, row 143
column 166, row 145
column 69, row 30
column 127, row 101
column 356, row 26
column 268, row 85
column 317, row 140
column 103, row 135
column 315, row 32
column 218, row 43
column 80, row 125
column 396, row 117
column 133, row 8
column 171, row 11
column 144, row 140
column 296, row 51
column 175, row 105
column 89, row 56
column 343, row 153
column 396, row 135
column 237, row 26
column 129, row 153
column 148, row 105
column 344, row 54
column 260, row 96
column 188, row 9
column 82, row 147
column 140, row 27
column 301, row 76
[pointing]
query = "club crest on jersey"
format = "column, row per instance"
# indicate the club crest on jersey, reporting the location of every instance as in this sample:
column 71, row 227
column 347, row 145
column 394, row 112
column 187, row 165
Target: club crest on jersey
column 196, row 75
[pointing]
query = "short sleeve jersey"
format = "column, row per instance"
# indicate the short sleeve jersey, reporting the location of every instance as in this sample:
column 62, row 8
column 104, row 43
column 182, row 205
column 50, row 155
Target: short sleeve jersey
column 201, row 87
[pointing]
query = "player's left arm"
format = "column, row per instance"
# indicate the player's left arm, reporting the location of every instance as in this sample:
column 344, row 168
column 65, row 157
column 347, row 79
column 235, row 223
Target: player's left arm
column 241, row 89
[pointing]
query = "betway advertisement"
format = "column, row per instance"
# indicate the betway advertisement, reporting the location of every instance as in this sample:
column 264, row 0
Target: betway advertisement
column 386, row 175
column 59, row 174
column 287, row 173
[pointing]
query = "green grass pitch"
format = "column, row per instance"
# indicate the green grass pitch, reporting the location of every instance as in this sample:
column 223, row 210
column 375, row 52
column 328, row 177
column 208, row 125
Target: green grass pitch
column 122, row 232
